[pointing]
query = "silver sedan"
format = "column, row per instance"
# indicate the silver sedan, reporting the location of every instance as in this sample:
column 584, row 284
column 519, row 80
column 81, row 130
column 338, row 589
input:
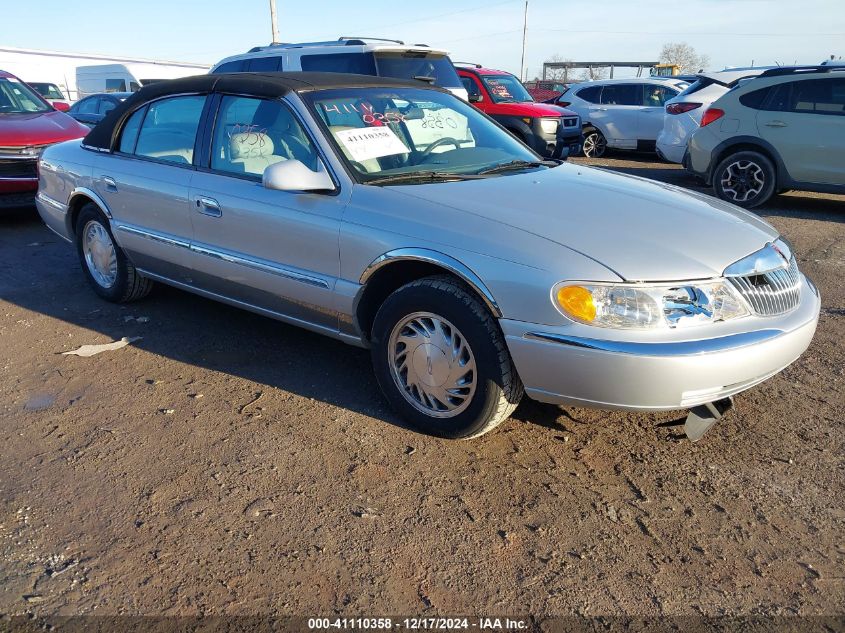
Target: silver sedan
column 394, row 216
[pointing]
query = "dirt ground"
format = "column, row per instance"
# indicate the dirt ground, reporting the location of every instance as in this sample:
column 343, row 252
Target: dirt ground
column 227, row 464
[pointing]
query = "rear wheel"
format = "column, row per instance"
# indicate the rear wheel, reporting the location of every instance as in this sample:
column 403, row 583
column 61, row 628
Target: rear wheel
column 595, row 145
column 441, row 360
column 746, row 179
column 108, row 271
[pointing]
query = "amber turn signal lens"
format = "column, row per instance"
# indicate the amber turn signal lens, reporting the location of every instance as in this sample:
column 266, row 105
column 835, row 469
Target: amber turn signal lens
column 577, row 302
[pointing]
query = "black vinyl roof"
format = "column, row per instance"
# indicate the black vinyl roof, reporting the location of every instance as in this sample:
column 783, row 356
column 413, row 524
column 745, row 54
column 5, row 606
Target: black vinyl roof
column 255, row 84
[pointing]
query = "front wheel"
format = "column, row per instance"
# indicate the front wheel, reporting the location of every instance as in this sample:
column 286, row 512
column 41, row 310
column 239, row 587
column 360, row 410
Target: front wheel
column 441, row 360
column 595, row 145
column 746, row 179
column 106, row 267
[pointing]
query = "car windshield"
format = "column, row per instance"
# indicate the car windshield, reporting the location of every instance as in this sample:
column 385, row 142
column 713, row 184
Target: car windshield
column 18, row 98
column 407, row 132
column 506, row 89
column 435, row 69
column 48, row 91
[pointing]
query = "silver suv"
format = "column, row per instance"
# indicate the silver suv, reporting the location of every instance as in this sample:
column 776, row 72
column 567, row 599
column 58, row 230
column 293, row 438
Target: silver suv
column 356, row 55
column 783, row 130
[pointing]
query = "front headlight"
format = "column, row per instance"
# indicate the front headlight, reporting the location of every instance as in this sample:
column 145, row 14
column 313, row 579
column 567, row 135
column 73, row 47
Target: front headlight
column 549, row 126
column 648, row 306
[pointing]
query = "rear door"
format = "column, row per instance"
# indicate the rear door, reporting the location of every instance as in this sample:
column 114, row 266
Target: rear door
column 146, row 184
column 275, row 250
column 653, row 110
column 617, row 114
column 805, row 121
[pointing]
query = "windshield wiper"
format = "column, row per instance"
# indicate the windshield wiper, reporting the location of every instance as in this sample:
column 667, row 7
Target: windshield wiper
column 422, row 176
column 518, row 164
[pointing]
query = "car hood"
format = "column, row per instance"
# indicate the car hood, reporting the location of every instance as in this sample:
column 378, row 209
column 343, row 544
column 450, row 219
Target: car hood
column 38, row 128
column 640, row 229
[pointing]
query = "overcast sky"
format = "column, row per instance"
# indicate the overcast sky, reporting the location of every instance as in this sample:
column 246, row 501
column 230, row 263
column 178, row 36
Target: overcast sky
column 730, row 32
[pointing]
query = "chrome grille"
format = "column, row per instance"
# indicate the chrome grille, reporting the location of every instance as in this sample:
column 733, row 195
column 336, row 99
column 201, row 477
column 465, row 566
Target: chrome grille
column 771, row 293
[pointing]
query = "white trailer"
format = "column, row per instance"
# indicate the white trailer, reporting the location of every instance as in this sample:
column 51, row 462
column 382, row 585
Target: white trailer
column 61, row 68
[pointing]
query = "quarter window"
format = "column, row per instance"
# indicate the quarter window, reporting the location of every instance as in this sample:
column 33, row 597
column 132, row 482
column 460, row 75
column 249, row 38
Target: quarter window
column 130, row 132
column 169, row 130
column 265, row 64
column 590, row 95
column 252, row 134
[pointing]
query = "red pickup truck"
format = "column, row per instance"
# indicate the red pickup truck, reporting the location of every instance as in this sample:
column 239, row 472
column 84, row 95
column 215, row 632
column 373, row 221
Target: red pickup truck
column 547, row 129
column 28, row 124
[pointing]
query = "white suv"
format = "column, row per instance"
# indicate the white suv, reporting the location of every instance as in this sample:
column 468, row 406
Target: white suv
column 683, row 113
column 356, row 55
column 621, row 113
column 783, row 130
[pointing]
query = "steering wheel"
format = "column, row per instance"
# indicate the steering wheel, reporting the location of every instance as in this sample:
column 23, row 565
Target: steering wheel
column 441, row 141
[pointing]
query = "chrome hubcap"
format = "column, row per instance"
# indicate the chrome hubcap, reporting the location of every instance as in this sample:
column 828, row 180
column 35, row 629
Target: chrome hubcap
column 743, row 179
column 594, row 145
column 432, row 365
column 100, row 255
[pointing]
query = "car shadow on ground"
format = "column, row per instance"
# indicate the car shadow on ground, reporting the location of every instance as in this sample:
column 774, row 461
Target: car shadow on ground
column 40, row 272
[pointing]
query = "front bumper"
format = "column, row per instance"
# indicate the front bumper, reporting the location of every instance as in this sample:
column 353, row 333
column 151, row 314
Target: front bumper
column 559, row 368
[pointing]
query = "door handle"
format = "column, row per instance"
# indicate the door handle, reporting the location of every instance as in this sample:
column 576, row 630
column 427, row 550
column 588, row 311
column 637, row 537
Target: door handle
column 110, row 184
column 209, row 206
column 775, row 124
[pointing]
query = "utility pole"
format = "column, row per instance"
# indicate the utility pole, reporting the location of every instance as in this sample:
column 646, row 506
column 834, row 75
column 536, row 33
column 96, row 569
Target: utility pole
column 524, row 32
column 273, row 23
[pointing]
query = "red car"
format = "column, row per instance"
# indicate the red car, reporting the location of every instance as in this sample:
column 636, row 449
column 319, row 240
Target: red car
column 28, row 124
column 547, row 129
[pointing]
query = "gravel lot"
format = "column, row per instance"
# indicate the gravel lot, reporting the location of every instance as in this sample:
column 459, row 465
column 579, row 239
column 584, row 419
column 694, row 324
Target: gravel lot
column 228, row 464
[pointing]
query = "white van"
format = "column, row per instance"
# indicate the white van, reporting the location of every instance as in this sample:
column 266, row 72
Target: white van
column 358, row 55
column 128, row 77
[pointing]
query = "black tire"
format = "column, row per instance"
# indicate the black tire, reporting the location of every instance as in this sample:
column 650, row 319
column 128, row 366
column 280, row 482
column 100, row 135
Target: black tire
column 737, row 176
column 498, row 388
column 128, row 283
column 594, row 145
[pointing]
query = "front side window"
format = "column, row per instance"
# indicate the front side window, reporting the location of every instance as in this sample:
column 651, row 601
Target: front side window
column 252, row 134
column 506, row 89
column 169, row 130
column 435, row 69
column 115, row 85
column 403, row 132
column 48, row 91
column 106, row 106
column 622, row 95
column 18, row 98
column 355, row 63
column 657, row 96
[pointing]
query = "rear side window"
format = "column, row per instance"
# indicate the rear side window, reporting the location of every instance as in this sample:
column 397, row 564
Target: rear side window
column 590, row 95
column 106, row 106
column 657, row 96
column 169, row 130
column 818, row 96
column 130, row 132
column 264, row 64
column 695, row 86
column 622, row 94
column 236, row 66
column 755, row 98
column 436, row 69
column 88, row 106
column 356, row 63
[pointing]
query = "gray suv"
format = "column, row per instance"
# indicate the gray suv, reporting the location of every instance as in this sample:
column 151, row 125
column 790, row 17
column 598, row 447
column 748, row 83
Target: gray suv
column 783, row 130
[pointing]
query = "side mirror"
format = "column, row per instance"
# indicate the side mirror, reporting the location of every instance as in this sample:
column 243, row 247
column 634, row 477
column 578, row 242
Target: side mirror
column 292, row 175
column 476, row 98
column 61, row 106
